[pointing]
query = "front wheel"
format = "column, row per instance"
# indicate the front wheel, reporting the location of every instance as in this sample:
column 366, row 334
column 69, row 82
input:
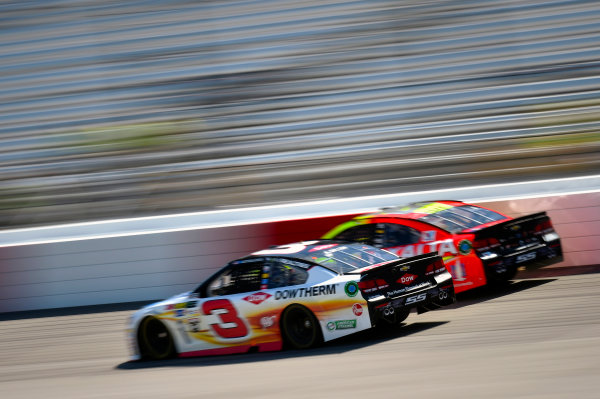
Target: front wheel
column 155, row 340
column 300, row 328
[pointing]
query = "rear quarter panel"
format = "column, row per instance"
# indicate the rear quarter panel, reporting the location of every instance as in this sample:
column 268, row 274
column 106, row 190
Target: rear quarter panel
column 455, row 249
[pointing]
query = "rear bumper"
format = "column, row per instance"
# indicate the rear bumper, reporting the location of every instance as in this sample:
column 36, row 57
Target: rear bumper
column 438, row 292
column 529, row 258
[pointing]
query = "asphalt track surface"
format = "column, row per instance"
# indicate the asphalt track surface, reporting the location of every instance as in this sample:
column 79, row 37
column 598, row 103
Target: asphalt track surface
column 540, row 338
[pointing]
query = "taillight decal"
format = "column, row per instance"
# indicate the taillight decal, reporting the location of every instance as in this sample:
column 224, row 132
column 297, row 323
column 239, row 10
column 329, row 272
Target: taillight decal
column 430, row 269
column 372, row 285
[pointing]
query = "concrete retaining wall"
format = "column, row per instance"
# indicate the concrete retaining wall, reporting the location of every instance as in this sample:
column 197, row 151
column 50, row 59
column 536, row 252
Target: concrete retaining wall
column 156, row 265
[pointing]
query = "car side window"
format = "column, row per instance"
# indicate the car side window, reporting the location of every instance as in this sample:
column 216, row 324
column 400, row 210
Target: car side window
column 363, row 233
column 396, row 235
column 239, row 278
column 283, row 273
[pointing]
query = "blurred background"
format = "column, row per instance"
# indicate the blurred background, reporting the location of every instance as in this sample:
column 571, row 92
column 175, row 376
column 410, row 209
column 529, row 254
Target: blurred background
column 112, row 109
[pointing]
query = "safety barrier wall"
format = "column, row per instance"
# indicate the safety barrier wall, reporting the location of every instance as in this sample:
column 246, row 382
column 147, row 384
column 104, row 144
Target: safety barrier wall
column 156, row 265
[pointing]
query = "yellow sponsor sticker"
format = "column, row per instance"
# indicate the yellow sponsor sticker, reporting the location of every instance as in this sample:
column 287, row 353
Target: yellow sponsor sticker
column 434, row 207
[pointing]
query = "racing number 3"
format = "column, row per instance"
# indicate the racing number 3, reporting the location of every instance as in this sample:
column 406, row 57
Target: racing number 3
column 231, row 326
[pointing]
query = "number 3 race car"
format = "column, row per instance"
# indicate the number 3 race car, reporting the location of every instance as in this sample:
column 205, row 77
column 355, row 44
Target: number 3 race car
column 479, row 246
column 295, row 295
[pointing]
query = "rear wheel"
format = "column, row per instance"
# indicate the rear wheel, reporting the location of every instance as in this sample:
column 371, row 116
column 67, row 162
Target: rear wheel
column 394, row 319
column 401, row 315
column 300, row 328
column 155, row 340
column 500, row 277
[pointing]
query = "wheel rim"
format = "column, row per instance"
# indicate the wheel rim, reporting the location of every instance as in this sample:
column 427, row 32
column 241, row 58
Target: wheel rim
column 157, row 339
column 300, row 328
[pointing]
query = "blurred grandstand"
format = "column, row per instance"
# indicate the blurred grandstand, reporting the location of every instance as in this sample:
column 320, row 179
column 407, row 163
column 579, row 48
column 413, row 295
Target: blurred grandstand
column 119, row 109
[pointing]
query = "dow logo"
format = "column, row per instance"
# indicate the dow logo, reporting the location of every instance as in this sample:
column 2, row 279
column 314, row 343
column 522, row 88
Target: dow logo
column 257, row 297
column 407, row 279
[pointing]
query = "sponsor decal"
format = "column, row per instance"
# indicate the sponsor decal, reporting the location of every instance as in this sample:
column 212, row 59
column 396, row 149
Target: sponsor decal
column 351, row 288
column 257, row 297
column 194, row 324
column 465, row 247
column 428, row 236
column 341, row 325
column 191, row 304
column 179, row 312
column 357, row 309
column 322, row 247
column 395, row 292
column 416, row 287
column 264, row 282
column 407, row 279
column 305, row 292
column 267, row 321
column 457, row 269
column 442, row 247
column 433, row 207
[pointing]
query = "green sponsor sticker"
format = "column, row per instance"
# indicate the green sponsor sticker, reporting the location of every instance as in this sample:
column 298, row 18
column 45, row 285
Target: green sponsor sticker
column 341, row 325
column 351, row 288
column 464, row 247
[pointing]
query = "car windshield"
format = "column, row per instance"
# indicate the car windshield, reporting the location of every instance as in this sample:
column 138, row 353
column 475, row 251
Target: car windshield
column 343, row 258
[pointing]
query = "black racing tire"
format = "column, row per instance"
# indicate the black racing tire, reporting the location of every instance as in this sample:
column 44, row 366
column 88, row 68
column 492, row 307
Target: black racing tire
column 502, row 279
column 156, row 343
column 399, row 316
column 300, row 328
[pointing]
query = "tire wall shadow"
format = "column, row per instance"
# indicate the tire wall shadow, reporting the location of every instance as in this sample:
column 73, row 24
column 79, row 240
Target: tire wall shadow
column 359, row 340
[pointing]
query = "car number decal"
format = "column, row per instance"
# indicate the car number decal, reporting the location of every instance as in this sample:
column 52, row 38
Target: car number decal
column 525, row 257
column 230, row 325
column 416, row 298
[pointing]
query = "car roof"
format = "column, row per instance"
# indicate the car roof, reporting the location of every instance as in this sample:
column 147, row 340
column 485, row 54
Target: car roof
column 415, row 210
column 450, row 216
column 339, row 256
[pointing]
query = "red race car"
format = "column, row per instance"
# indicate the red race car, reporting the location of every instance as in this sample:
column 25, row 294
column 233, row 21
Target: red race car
column 479, row 246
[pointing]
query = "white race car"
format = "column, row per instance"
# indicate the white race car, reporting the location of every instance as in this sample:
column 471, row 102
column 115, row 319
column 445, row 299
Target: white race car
column 295, row 295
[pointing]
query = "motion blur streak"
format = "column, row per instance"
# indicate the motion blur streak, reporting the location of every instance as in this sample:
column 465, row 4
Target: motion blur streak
column 525, row 343
column 113, row 109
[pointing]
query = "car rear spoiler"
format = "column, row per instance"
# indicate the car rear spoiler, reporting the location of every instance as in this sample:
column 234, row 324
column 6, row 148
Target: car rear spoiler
column 532, row 224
